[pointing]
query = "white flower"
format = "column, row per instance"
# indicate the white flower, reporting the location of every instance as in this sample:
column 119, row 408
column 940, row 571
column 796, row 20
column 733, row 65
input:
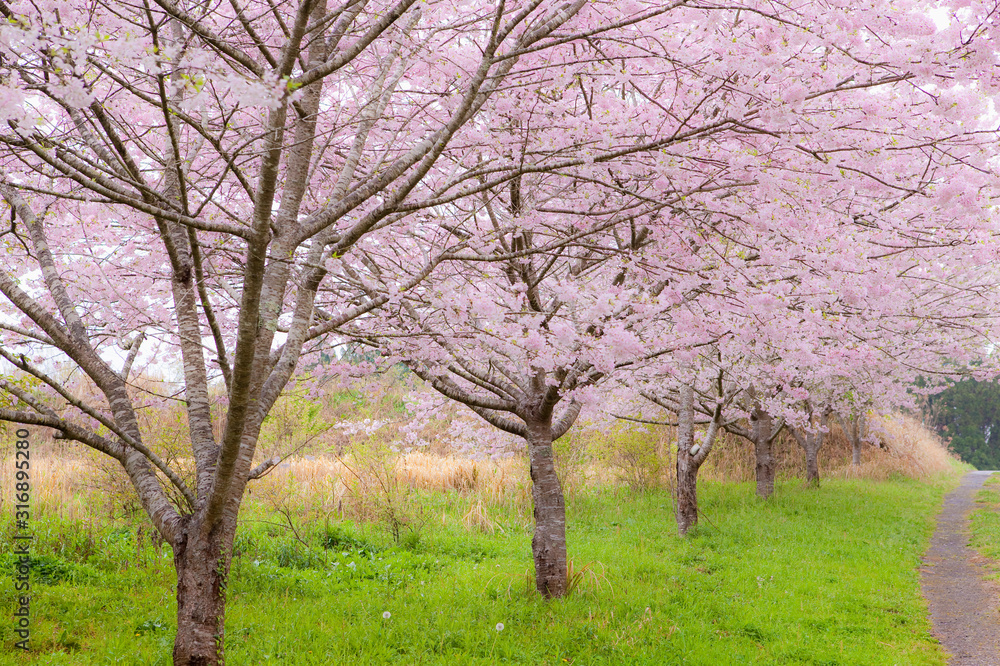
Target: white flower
column 499, row 626
column 386, row 615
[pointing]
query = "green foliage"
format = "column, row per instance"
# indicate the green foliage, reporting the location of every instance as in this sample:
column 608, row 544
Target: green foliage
column 825, row 576
column 294, row 422
column 381, row 496
column 379, row 397
column 151, row 627
column 968, row 413
column 342, row 537
column 357, row 354
column 49, row 570
column 637, row 456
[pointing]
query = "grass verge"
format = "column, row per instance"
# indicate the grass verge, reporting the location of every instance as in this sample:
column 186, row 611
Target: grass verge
column 822, row 576
column 985, row 524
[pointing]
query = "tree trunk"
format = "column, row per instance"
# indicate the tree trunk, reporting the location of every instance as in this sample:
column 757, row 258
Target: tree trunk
column 691, row 456
column 687, row 465
column 765, row 466
column 811, row 443
column 202, row 564
column 855, row 447
column 548, row 545
column 812, row 465
column 855, row 429
column 687, row 492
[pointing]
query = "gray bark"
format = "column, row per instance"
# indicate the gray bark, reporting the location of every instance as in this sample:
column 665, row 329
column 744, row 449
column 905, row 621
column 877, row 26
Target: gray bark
column 812, row 465
column 761, row 432
column 691, row 456
column 854, row 428
column 690, row 459
column 811, row 443
column 765, row 465
column 548, row 544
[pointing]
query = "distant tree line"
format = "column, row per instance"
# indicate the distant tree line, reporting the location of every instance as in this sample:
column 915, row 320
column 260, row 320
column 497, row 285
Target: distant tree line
column 968, row 414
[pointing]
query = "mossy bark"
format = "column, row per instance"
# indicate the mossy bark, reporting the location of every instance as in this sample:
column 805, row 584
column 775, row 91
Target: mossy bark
column 202, row 563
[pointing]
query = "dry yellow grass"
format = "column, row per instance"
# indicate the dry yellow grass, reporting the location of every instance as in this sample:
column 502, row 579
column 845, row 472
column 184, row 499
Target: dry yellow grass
column 322, row 474
column 366, row 485
column 378, row 487
column 488, row 477
column 905, row 447
column 75, row 488
column 59, row 486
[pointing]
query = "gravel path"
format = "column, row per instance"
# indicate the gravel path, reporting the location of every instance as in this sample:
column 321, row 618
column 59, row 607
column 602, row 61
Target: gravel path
column 963, row 606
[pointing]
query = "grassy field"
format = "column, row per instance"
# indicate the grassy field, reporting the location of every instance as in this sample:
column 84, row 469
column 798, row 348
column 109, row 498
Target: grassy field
column 823, row 576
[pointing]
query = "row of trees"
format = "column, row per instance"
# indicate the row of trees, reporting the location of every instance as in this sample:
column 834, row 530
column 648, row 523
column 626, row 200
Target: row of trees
column 967, row 414
column 754, row 213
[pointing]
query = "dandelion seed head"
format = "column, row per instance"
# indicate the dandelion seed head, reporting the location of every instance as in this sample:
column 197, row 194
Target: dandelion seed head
column 499, row 626
column 386, row 615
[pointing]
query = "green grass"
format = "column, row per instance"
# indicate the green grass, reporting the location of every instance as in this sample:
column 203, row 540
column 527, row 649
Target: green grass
column 985, row 522
column 822, row 576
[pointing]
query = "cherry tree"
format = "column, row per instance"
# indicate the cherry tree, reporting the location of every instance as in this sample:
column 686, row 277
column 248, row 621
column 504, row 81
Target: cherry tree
column 227, row 183
column 853, row 425
column 837, row 248
column 778, row 169
column 810, row 438
column 520, row 329
column 183, row 176
column 691, row 408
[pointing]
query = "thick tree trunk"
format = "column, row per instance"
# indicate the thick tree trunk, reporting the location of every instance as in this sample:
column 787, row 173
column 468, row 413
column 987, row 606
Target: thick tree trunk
column 202, row 564
column 687, row 492
column 687, row 465
column 764, row 468
column 762, row 439
column 548, row 546
column 812, row 465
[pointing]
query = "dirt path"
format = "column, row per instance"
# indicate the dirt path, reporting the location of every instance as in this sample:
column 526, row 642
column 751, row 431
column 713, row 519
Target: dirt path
column 963, row 606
